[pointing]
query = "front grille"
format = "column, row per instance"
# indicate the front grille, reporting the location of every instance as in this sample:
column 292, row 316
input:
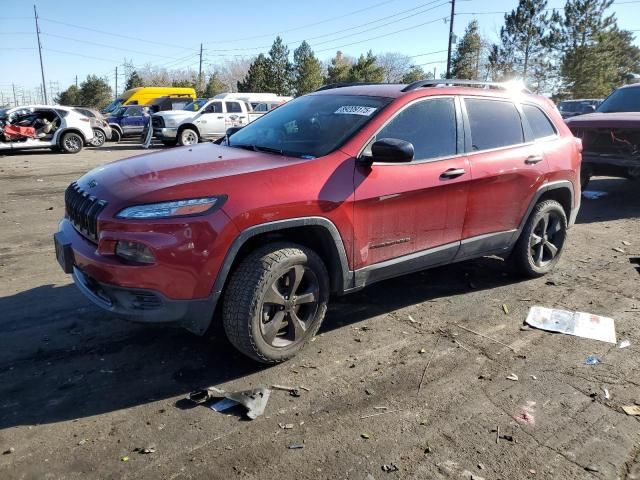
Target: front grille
column 83, row 210
column 157, row 122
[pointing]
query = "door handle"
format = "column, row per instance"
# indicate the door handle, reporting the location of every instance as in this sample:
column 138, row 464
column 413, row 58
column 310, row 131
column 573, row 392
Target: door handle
column 533, row 159
column 219, row 117
column 452, row 173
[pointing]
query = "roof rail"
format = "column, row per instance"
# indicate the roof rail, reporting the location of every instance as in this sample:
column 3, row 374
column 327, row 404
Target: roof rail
column 454, row 82
column 345, row 84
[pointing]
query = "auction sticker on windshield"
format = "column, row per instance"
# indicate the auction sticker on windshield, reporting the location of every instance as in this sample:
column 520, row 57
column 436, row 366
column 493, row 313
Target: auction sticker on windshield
column 355, row 110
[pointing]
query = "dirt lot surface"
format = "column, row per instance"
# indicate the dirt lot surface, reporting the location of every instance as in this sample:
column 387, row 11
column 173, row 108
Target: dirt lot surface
column 80, row 391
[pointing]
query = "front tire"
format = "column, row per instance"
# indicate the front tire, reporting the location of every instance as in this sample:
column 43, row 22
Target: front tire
column 115, row 135
column 542, row 240
column 275, row 301
column 188, row 136
column 98, row 138
column 71, row 142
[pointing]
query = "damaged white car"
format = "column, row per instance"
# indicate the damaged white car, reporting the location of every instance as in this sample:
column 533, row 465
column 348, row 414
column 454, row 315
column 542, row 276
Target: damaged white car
column 44, row 126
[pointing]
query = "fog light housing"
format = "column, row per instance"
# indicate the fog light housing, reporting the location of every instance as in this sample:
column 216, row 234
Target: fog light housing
column 134, row 252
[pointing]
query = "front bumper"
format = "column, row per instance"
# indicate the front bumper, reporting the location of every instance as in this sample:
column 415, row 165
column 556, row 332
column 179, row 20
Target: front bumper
column 165, row 133
column 146, row 306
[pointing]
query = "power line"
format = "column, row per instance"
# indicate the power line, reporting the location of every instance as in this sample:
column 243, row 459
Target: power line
column 427, row 53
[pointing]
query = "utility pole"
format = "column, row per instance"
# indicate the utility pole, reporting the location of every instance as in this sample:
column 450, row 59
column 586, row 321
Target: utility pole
column 15, row 100
column 76, row 81
column 44, row 88
column 434, row 73
column 116, row 92
column 200, row 71
column 453, row 13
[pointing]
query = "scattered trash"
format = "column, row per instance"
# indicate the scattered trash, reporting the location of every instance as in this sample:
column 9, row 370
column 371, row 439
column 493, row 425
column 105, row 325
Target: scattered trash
column 606, row 393
column 39, row 180
column 50, row 208
column 254, row 400
column 368, row 391
column 533, row 377
column 145, row 450
column 592, row 360
column 590, row 468
column 626, row 244
column 580, row 324
column 631, row 410
column 505, row 309
column 618, row 249
column 391, row 467
column 526, row 414
column 295, row 447
column 424, row 372
column 508, row 438
column 82, row 442
column 624, row 343
column 412, row 320
column 9, row 451
column 593, row 194
column 365, row 436
column 422, row 350
column 487, row 337
column 124, row 459
column 513, row 377
column 286, row 426
column 380, row 413
column 293, row 391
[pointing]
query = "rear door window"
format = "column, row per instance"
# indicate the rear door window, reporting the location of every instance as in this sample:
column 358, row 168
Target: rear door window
column 430, row 125
column 215, row 107
column 540, row 125
column 233, row 107
column 493, row 123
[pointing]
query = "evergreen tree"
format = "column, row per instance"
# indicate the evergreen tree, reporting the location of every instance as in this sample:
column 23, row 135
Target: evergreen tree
column 366, row 70
column 338, row 69
column 307, row 70
column 414, row 74
column 466, row 59
column 70, row 97
column 280, row 68
column 95, row 92
column 214, row 86
column 595, row 54
column 525, row 35
column 133, row 81
column 257, row 79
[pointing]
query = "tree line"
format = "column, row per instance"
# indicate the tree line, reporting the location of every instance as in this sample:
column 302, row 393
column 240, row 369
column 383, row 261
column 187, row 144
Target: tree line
column 576, row 52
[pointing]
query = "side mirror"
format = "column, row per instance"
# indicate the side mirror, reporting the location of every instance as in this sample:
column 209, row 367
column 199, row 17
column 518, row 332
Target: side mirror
column 392, row 150
column 232, row 130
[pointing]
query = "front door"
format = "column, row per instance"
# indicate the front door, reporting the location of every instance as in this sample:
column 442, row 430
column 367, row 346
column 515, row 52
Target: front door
column 210, row 122
column 416, row 207
column 132, row 120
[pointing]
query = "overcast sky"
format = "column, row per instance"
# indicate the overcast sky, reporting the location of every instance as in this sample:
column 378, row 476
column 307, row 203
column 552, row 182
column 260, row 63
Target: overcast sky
column 81, row 37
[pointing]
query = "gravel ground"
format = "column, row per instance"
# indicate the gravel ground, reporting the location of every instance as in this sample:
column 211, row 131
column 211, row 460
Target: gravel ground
column 80, row 391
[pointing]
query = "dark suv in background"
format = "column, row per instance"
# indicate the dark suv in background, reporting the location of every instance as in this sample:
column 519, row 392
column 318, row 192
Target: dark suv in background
column 323, row 196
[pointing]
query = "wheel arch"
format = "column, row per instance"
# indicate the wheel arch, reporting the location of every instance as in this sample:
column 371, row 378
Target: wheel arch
column 561, row 191
column 70, row 130
column 188, row 125
column 117, row 127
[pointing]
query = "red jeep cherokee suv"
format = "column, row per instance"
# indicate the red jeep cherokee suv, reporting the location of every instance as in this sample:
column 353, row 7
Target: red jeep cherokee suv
column 330, row 192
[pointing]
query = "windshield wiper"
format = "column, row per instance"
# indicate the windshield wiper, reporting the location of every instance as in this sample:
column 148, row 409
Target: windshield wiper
column 259, row 148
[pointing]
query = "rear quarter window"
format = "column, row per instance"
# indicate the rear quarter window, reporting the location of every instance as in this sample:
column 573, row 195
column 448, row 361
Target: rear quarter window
column 493, row 123
column 540, row 125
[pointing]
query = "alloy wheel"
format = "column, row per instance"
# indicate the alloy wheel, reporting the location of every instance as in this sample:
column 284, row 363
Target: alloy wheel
column 189, row 137
column 547, row 239
column 289, row 306
column 72, row 143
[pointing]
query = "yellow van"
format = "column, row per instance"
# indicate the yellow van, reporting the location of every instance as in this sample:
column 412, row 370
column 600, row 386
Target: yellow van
column 146, row 95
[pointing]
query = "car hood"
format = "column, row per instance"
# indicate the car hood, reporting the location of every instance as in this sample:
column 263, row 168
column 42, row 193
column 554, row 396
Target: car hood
column 177, row 173
column 177, row 114
column 606, row 120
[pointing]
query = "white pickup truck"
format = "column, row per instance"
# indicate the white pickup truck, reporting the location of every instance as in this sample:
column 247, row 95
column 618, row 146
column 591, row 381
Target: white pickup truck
column 201, row 119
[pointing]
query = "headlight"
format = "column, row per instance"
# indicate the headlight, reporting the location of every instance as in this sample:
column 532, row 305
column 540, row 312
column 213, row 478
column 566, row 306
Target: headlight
column 178, row 208
column 134, row 252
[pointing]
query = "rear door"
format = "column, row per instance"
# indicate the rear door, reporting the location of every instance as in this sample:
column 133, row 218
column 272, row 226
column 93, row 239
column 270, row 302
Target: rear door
column 210, row 122
column 404, row 208
column 507, row 168
column 236, row 115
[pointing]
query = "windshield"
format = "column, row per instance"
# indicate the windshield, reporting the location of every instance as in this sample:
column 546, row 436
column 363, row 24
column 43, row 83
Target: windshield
column 195, row 105
column 310, row 126
column 113, row 105
column 119, row 112
column 622, row 100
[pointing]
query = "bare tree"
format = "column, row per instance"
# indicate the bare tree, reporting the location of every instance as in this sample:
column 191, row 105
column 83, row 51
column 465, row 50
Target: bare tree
column 395, row 66
column 232, row 71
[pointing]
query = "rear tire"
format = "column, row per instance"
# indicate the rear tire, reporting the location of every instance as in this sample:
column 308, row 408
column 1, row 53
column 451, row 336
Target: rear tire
column 542, row 240
column 585, row 175
column 71, row 142
column 188, row 136
column 115, row 135
column 275, row 301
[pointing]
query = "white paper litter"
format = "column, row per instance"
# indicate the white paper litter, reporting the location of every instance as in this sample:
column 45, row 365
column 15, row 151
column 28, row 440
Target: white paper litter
column 580, row 324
